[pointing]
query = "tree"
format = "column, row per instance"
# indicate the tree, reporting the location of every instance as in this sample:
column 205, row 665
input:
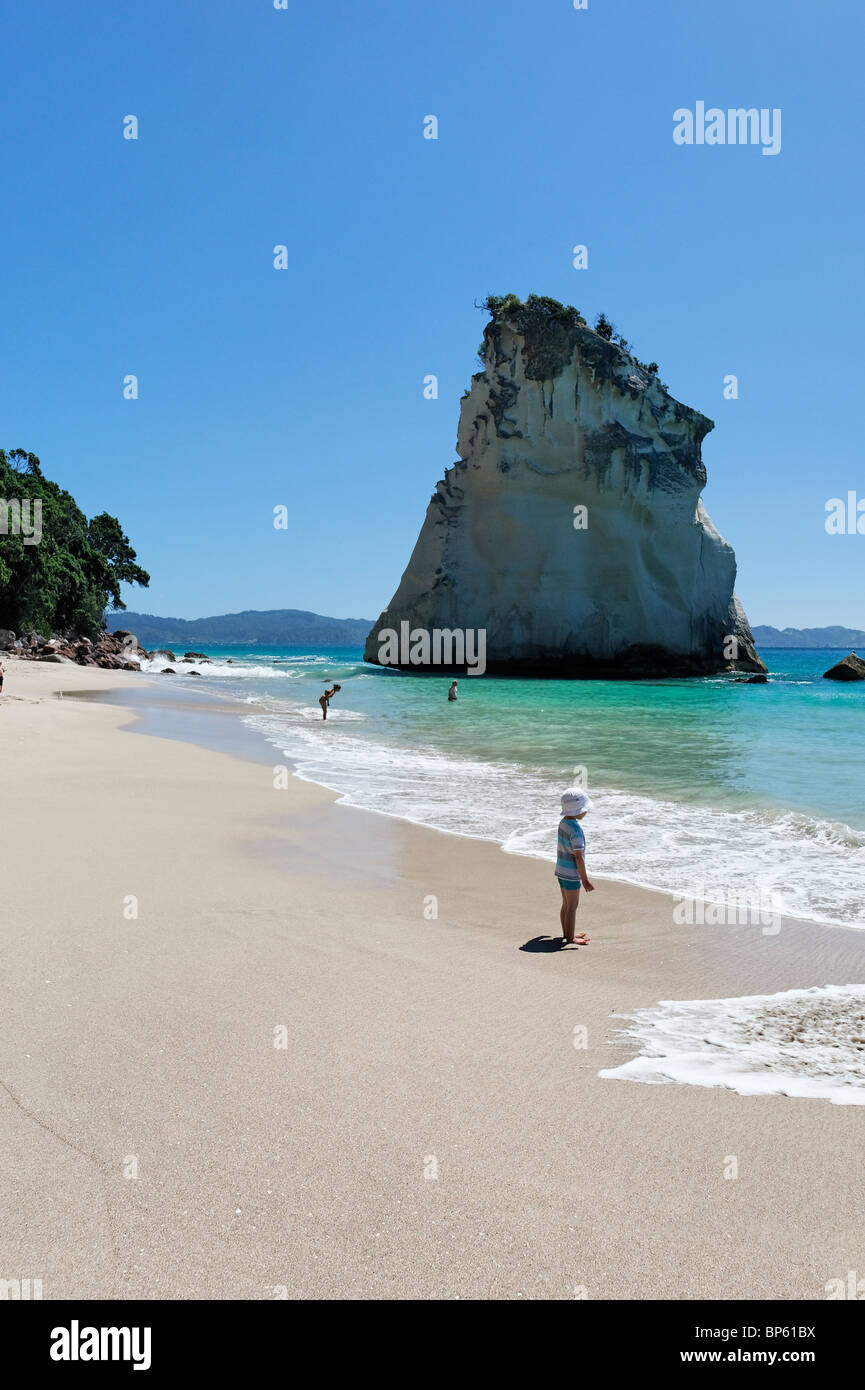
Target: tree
column 107, row 539
column 64, row 577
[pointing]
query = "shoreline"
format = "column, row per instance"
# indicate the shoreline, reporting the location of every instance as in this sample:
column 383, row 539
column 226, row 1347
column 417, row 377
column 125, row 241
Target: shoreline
column 792, row 855
column 163, row 717
column 255, row 745
column 667, row 819
column 409, row 1043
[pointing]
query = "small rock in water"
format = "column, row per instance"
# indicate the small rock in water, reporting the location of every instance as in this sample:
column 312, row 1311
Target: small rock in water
column 852, row 668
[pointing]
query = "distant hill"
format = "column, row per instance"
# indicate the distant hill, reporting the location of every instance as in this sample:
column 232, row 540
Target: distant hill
column 289, row 627
column 276, row 627
column 848, row 637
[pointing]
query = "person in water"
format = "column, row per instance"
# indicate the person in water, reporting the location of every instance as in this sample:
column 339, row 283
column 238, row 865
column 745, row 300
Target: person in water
column 325, row 699
column 452, row 692
column 571, row 864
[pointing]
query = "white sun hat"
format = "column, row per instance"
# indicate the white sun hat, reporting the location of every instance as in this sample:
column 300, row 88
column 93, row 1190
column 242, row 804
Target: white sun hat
column 575, row 802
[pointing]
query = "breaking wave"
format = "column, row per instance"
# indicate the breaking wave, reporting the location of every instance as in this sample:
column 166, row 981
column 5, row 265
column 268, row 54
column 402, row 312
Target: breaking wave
column 809, row 868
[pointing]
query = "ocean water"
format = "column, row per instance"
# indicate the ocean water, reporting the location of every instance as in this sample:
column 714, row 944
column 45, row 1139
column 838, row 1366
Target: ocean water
column 703, row 787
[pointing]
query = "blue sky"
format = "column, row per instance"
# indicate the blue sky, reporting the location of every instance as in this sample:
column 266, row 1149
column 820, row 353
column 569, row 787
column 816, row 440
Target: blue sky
column 304, row 387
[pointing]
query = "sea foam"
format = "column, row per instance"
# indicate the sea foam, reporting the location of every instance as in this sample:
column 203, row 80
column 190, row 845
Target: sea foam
column 802, row 1042
column 210, row 669
column 807, row 868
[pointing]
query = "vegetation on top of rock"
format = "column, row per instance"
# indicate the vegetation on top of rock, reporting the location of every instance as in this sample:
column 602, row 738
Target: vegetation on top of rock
column 59, row 571
column 549, row 325
column 536, row 308
column 604, row 328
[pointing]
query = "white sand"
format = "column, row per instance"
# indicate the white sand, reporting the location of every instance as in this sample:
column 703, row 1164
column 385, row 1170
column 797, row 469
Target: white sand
column 414, row 1047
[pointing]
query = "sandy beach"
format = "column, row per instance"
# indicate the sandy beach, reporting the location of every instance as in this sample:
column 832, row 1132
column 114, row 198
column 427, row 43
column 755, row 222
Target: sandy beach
column 239, row 1058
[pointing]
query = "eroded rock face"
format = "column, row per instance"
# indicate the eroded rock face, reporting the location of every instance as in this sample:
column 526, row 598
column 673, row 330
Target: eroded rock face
column 640, row 583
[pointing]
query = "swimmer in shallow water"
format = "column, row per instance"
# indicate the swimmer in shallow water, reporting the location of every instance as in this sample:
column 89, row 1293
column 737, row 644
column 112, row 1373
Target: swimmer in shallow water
column 325, row 699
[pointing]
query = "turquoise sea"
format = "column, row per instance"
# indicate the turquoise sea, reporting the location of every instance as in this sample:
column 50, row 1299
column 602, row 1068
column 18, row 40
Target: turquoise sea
column 703, row 787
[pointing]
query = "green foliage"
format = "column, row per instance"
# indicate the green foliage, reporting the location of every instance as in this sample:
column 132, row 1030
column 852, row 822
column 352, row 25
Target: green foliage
column 548, row 327
column 544, row 322
column 501, row 305
column 537, row 307
column 606, row 329
column 67, row 580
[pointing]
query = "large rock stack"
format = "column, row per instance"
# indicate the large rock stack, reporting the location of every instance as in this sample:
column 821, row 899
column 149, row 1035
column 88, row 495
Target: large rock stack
column 572, row 530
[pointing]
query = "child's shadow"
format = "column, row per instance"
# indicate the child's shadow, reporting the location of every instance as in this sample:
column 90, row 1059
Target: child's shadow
column 544, row 943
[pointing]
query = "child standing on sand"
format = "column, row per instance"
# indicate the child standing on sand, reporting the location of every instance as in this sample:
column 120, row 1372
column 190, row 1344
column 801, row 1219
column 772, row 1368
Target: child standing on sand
column 571, row 864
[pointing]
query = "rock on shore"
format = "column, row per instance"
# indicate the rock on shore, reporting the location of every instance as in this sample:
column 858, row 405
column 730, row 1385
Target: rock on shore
column 112, row 651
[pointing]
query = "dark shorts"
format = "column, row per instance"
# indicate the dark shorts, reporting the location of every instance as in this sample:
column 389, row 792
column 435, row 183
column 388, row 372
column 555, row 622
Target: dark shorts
column 571, row 885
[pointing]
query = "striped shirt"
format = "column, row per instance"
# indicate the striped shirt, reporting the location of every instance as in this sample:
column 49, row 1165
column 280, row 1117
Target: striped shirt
column 571, row 842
